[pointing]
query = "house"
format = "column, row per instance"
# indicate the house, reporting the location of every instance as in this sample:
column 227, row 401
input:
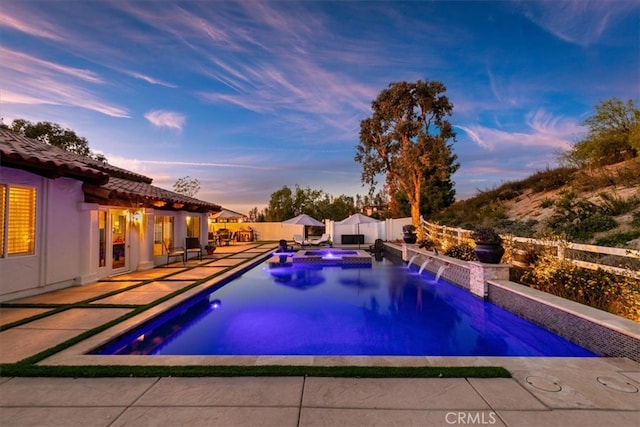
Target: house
column 70, row 220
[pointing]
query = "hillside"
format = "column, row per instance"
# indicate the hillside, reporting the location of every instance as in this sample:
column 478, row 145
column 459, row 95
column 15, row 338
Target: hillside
column 598, row 206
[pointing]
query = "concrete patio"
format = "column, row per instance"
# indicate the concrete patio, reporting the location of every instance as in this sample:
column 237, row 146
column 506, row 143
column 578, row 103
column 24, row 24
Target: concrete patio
column 543, row 391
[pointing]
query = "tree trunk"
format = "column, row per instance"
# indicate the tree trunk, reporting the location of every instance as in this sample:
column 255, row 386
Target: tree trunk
column 415, row 213
column 415, row 203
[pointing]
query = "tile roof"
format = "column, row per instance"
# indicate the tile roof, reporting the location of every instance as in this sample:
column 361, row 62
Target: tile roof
column 26, row 153
column 102, row 180
column 140, row 191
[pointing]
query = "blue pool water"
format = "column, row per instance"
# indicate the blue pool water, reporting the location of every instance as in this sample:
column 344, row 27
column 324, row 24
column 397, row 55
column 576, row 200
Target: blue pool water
column 384, row 309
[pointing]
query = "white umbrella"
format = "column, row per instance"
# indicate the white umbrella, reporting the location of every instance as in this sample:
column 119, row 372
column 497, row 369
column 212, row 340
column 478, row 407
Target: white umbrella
column 357, row 219
column 305, row 220
column 227, row 214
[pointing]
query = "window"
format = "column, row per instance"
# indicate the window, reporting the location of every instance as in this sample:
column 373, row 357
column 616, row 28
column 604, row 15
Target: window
column 18, row 214
column 193, row 226
column 162, row 232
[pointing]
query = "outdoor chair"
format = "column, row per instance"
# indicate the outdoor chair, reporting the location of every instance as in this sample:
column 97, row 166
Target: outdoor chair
column 377, row 249
column 323, row 240
column 192, row 245
column 298, row 240
column 174, row 252
column 224, row 237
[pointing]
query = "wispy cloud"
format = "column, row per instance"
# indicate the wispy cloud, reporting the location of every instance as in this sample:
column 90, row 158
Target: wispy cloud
column 25, row 63
column 270, row 64
column 545, row 131
column 150, row 80
column 142, row 166
column 28, row 23
column 168, row 119
column 31, row 80
column 579, row 22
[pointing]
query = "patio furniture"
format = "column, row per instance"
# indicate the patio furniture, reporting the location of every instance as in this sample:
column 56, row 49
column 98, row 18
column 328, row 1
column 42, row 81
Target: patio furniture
column 377, row 249
column 192, row 245
column 298, row 240
column 245, row 235
column 224, row 236
column 174, row 252
column 323, row 240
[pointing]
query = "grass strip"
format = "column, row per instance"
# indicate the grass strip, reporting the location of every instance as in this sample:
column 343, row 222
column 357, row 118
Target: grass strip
column 26, row 370
column 136, row 311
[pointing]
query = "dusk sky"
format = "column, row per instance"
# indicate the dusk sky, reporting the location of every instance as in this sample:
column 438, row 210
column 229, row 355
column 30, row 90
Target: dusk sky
column 250, row 96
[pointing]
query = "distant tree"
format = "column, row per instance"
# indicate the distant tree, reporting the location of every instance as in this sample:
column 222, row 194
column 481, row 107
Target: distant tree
column 286, row 203
column 306, row 201
column 187, row 186
column 335, row 208
column 613, row 136
column 256, row 216
column 280, row 206
column 54, row 134
column 406, row 139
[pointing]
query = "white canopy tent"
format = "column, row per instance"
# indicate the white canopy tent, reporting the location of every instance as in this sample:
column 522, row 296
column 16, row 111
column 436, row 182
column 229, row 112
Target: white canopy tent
column 357, row 219
column 306, row 221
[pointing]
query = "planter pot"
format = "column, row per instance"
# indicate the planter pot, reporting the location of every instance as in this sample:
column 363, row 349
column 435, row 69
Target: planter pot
column 409, row 237
column 489, row 253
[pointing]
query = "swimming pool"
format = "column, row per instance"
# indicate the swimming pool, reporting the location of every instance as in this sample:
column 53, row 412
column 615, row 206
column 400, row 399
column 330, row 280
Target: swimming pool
column 383, row 309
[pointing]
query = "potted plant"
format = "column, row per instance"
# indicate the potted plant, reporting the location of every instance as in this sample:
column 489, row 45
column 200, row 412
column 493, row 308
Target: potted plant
column 488, row 245
column 210, row 249
column 409, row 233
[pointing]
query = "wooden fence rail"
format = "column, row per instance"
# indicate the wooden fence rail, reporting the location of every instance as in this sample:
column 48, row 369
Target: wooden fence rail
column 619, row 261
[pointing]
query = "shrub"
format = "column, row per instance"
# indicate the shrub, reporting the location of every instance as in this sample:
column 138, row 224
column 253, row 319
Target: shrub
column 597, row 223
column 616, row 205
column 547, row 202
column 636, row 220
column 549, row 179
column 619, row 240
column 409, row 228
column 462, row 252
column 616, row 294
column 486, row 235
column 517, row 227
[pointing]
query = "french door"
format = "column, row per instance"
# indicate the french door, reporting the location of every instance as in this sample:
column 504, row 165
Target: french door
column 118, row 243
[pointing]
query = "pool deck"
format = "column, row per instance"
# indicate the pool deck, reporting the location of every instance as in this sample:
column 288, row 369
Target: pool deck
column 543, row 391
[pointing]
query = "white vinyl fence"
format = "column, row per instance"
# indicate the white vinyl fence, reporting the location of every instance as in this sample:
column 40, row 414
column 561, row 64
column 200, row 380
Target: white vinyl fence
column 615, row 260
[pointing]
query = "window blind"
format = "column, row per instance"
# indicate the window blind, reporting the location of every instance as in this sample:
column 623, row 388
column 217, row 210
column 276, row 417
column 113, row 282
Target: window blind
column 21, row 221
column 3, row 207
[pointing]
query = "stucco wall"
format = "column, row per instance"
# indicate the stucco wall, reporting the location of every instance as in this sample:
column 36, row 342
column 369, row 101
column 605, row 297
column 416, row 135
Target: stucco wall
column 62, row 239
column 57, row 235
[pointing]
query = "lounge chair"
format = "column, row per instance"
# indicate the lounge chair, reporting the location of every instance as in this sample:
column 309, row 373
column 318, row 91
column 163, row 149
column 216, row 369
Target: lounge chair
column 298, row 240
column 174, row 252
column 323, row 240
column 192, row 245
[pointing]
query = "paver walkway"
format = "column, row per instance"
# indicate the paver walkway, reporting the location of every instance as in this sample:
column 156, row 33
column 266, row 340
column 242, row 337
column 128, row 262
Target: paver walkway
column 543, row 391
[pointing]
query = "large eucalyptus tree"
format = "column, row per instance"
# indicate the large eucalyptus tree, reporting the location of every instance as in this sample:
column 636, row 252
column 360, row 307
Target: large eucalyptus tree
column 407, row 139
